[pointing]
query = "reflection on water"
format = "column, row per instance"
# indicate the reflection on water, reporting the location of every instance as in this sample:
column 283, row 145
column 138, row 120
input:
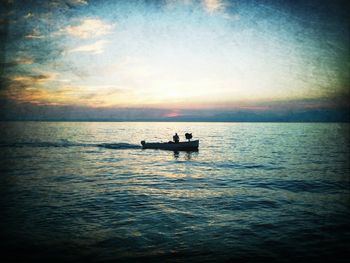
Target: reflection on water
column 73, row 191
column 187, row 154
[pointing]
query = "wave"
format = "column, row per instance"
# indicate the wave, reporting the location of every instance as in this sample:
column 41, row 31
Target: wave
column 65, row 143
column 248, row 166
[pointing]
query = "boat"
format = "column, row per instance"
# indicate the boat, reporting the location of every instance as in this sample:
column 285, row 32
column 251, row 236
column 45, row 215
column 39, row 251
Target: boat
column 172, row 146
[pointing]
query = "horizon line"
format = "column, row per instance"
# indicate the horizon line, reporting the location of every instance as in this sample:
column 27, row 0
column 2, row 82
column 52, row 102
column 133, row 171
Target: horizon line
column 165, row 121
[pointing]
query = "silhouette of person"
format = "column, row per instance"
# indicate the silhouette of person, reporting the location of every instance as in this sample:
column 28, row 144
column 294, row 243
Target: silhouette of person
column 176, row 138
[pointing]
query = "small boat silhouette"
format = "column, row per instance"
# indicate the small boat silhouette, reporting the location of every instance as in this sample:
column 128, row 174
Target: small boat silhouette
column 172, row 146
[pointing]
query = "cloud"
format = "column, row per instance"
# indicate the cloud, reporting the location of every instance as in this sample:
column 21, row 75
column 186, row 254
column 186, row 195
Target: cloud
column 67, row 3
column 78, row 2
column 31, row 95
column 91, row 96
column 173, row 3
column 214, row 5
column 24, row 61
column 35, row 34
column 24, row 88
column 95, row 48
column 28, row 15
column 30, row 80
column 88, row 28
column 210, row 6
column 18, row 61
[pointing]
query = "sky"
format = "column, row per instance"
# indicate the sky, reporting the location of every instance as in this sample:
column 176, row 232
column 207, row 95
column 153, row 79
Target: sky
column 90, row 59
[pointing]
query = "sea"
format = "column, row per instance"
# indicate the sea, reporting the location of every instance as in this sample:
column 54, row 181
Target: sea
column 253, row 192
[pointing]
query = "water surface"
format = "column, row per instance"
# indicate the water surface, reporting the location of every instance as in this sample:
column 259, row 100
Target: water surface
column 254, row 191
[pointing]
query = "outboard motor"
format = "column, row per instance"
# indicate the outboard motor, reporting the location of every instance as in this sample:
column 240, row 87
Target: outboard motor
column 188, row 136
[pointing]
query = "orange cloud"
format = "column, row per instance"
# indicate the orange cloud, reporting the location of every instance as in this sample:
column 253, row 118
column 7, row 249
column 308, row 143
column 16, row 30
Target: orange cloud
column 34, row 79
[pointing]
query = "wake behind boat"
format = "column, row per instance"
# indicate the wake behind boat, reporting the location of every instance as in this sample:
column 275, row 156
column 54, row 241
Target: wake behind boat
column 175, row 145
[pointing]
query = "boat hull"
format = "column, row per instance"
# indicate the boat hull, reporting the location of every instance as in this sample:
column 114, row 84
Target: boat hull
column 181, row 146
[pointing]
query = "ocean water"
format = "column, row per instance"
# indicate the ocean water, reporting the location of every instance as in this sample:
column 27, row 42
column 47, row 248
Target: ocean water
column 87, row 192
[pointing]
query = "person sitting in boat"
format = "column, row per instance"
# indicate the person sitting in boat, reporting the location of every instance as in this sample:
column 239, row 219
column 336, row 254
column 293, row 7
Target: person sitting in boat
column 176, row 138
